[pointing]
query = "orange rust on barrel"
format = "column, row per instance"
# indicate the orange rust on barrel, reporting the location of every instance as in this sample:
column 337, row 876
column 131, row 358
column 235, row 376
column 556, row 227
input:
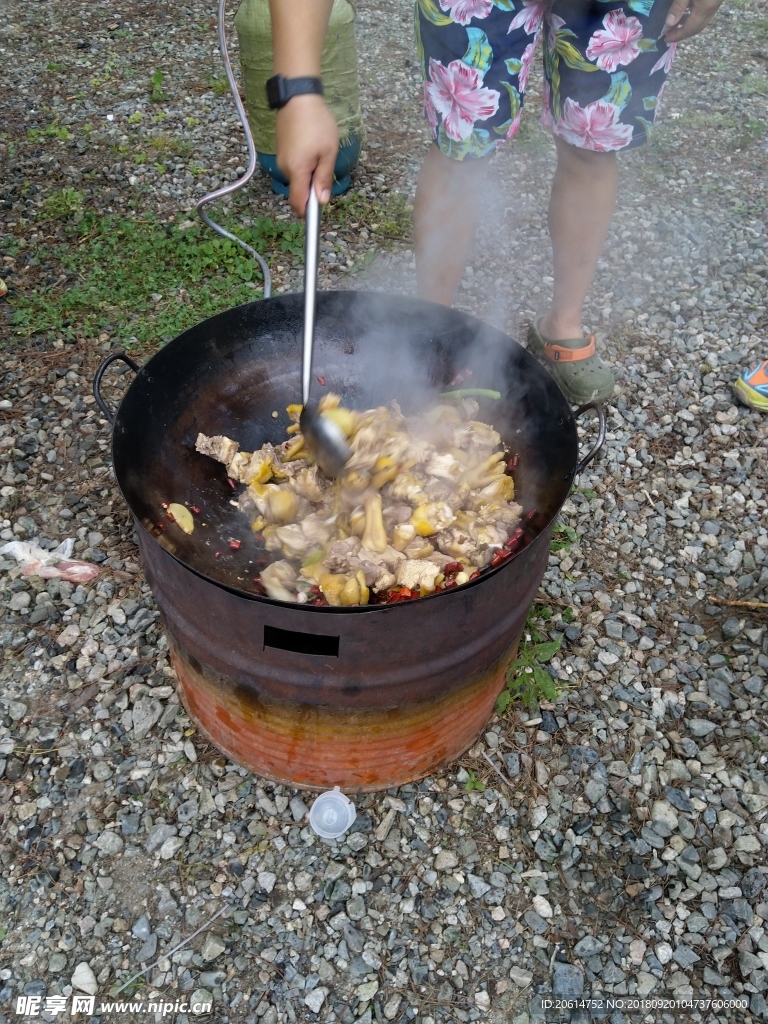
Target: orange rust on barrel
column 317, row 747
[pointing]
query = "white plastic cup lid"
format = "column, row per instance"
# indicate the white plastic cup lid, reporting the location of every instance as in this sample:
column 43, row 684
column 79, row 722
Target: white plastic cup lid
column 332, row 814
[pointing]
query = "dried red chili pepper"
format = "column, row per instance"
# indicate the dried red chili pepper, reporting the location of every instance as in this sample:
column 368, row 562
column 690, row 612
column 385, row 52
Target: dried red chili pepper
column 216, row 554
column 449, row 584
column 513, row 463
column 231, row 483
column 164, row 504
column 170, row 516
column 161, row 525
column 195, row 509
column 235, row 545
column 475, row 574
column 321, row 381
column 451, row 568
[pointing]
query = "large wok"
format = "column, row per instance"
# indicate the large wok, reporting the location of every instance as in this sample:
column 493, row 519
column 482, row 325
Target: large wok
column 365, row 698
column 230, row 374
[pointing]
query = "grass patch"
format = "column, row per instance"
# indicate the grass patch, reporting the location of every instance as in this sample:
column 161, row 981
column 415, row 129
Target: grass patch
column 390, row 216
column 144, row 280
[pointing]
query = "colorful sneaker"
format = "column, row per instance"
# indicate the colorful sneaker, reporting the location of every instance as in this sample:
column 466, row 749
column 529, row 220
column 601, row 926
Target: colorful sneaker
column 752, row 387
column 579, row 371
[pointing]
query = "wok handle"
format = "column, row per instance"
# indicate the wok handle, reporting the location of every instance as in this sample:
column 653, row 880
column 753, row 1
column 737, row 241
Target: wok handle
column 602, row 426
column 111, row 358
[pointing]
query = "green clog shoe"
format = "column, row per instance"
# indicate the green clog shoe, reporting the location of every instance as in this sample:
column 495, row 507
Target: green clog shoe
column 580, row 373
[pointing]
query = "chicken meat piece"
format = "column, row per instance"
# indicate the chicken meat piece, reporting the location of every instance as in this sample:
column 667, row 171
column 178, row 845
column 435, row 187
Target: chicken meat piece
column 395, row 514
column 432, row 517
column 277, row 503
column 462, row 547
column 222, row 449
column 406, row 487
column 439, row 490
column 374, row 534
column 417, row 573
column 502, row 489
column 299, row 540
column 506, row 512
column 485, row 472
column 279, row 580
column 384, row 582
column 419, row 547
column 483, row 435
column 307, row 483
column 349, row 556
column 249, row 468
column 444, row 467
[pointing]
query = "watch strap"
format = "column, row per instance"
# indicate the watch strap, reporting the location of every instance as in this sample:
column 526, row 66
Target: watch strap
column 280, row 89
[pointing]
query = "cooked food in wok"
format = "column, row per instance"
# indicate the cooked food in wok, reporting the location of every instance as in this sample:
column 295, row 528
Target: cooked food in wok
column 425, row 503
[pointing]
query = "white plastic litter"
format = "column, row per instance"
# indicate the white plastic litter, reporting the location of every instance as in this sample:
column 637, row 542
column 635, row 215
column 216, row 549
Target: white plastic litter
column 332, row 814
column 36, row 561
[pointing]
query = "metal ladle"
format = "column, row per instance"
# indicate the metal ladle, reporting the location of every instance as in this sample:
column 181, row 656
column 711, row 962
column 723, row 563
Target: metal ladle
column 325, row 439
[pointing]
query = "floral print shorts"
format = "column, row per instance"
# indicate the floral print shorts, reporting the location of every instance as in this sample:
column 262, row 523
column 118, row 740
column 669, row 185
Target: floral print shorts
column 605, row 66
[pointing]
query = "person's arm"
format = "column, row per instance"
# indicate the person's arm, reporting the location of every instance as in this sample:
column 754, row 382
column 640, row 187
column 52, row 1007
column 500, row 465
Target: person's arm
column 687, row 18
column 307, row 134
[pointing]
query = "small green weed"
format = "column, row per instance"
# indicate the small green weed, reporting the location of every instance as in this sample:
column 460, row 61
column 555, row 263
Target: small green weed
column 156, row 91
column 135, row 117
column 217, row 84
column 64, row 203
column 527, row 682
column 562, row 538
column 473, row 782
column 750, row 130
column 130, row 990
column 53, row 66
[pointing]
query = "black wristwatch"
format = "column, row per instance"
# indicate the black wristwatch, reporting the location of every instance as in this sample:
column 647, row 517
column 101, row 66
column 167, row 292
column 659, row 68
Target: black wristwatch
column 280, row 89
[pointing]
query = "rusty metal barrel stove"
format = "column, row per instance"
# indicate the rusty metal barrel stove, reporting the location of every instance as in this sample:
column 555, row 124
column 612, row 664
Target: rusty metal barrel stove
column 363, row 698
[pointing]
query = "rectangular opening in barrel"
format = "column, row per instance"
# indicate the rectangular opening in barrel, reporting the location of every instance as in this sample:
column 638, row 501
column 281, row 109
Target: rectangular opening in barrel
column 301, row 643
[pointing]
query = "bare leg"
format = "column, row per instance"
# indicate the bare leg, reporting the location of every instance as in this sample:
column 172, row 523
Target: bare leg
column 580, row 212
column 445, row 218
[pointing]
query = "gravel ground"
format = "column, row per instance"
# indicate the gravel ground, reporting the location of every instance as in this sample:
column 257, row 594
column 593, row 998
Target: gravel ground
column 623, row 852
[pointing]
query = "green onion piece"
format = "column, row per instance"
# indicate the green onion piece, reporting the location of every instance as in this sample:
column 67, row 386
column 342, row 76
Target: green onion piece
column 315, row 557
column 470, row 392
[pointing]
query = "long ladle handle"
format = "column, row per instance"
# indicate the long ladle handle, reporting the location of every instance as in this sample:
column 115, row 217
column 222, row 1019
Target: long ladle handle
column 312, row 230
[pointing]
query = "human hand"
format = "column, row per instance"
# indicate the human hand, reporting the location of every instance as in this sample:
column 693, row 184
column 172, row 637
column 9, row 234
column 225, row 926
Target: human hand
column 307, row 144
column 687, row 18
